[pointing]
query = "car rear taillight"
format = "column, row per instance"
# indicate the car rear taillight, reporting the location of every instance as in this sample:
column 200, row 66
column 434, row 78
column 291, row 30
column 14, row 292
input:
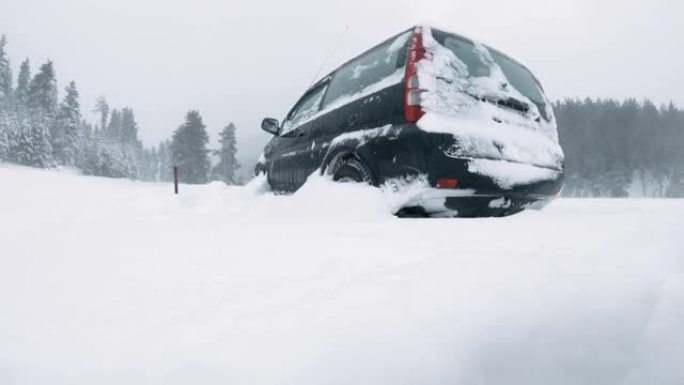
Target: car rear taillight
column 557, row 190
column 447, row 183
column 412, row 110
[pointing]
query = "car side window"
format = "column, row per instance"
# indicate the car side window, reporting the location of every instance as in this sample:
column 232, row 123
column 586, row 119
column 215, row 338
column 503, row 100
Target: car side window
column 371, row 68
column 304, row 110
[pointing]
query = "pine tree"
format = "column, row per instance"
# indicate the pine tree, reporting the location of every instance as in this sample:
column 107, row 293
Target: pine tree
column 11, row 126
column 102, row 108
column 31, row 146
column 189, row 150
column 113, row 131
column 43, row 90
column 85, row 129
column 226, row 169
column 4, row 142
column 129, row 127
column 21, row 148
column 132, row 147
column 5, row 71
column 21, row 93
column 5, row 128
column 65, row 132
column 41, row 155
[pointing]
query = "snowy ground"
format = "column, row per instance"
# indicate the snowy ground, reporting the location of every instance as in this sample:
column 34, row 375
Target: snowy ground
column 117, row 282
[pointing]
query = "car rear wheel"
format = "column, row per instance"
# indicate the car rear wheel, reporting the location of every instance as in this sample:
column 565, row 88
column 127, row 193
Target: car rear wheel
column 352, row 170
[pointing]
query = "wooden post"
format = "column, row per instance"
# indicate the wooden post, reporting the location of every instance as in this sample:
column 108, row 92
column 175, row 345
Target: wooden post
column 175, row 179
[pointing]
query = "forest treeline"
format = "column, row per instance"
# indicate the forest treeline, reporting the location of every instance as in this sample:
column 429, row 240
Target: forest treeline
column 612, row 148
column 39, row 129
column 621, row 148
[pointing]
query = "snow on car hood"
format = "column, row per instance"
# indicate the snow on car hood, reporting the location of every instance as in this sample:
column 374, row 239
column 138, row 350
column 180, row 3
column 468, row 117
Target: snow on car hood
column 458, row 103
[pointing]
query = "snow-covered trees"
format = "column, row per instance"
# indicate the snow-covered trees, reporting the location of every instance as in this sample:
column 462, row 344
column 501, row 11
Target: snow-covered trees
column 226, row 168
column 165, row 166
column 128, row 131
column 24, row 131
column 21, row 93
column 5, row 70
column 65, row 135
column 5, row 128
column 115, row 149
column 37, row 131
column 616, row 148
column 122, row 126
column 42, row 92
column 113, row 129
column 5, row 94
column 102, row 108
column 38, row 147
column 189, row 150
column 28, row 137
column 101, row 158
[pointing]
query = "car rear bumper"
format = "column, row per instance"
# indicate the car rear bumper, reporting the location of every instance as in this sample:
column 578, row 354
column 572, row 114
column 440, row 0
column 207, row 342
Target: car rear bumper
column 433, row 202
column 479, row 194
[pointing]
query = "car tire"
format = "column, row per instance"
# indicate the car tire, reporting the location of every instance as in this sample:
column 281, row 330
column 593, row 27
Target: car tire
column 352, row 170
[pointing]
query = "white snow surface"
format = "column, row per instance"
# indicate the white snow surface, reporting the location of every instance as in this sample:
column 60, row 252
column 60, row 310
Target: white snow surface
column 117, row 282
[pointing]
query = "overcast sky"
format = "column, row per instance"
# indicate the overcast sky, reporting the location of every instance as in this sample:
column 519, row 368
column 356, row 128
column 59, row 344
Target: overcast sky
column 243, row 60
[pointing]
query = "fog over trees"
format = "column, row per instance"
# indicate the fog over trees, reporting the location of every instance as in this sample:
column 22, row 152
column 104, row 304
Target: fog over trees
column 617, row 149
column 613, row 148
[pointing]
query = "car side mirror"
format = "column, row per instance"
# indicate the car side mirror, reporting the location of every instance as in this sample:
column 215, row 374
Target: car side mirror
column 270, row 125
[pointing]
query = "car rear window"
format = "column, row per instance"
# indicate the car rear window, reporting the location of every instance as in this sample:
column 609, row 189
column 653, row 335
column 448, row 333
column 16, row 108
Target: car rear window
column 368, row 69
column 518, row 76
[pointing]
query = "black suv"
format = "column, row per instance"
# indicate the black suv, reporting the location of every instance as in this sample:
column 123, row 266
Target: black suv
column 468, row 123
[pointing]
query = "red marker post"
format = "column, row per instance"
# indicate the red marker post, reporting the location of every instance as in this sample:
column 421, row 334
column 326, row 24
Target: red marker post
column 175, row 179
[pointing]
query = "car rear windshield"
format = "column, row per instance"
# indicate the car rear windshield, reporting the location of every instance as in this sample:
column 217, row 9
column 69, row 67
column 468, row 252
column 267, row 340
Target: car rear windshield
column 518, row 76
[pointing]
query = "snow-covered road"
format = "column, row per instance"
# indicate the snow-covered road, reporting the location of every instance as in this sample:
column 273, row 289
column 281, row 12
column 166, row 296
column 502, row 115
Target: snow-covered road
column 116, row 282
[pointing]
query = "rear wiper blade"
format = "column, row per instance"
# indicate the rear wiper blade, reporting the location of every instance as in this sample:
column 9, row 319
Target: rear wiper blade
column 509, row 102
column 513, row 104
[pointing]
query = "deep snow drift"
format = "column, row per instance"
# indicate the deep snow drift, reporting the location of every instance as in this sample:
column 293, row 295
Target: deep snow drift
column 116, row 282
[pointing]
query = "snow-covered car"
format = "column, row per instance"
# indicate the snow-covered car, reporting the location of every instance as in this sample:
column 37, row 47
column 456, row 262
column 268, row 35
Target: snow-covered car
column 470, row 122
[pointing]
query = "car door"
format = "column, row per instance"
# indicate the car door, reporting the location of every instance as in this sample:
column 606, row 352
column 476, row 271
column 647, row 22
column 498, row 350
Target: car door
column 290, row 152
